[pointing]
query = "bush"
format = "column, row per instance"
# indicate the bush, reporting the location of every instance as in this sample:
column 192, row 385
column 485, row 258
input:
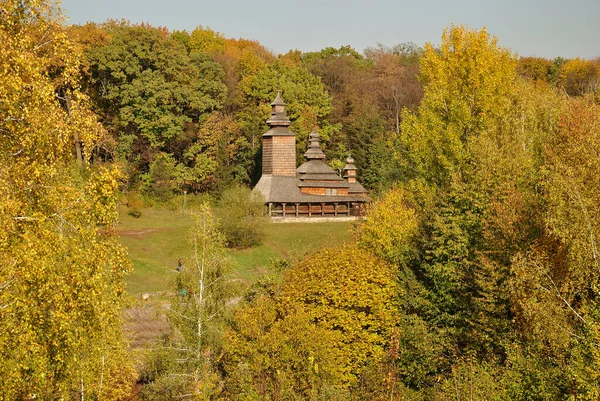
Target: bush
column 242, row 217
column 159, row 182
column 134, row 204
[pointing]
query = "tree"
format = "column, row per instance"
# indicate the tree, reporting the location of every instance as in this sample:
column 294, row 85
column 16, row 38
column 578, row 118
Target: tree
column 395, row 80
column 221, row 139
column 466, row 83
column 198, row 311
column 61, row 274
column 535, row 68
column 348, row 291
column 147, row 87
column 242, row 217
column 334, row 313
column 308, row 103
column 579, row 77
column 391, row 228
column 205, row 40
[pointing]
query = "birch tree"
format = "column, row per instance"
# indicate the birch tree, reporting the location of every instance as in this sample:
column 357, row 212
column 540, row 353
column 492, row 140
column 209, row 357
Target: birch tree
column 197, row 312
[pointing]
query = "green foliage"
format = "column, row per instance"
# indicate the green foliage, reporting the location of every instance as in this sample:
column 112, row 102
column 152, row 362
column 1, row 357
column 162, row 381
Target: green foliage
column 146, row 84
column 471, row 379
column 202, row 285
column 242, row 217
column 159, row 182
column 186, row 364
column 221, row 153
column 134, row 204
column 308, row 103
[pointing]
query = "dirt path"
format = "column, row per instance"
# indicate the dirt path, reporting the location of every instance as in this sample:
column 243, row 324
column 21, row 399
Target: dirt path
column 140, row 232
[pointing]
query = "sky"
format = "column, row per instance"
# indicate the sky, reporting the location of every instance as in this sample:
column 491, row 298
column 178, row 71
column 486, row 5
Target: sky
column 543, row 28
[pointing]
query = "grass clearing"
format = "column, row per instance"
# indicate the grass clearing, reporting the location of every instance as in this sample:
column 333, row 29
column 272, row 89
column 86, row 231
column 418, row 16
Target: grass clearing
column 157, row 239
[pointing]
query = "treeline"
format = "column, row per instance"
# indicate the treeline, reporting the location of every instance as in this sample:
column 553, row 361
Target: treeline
column 185, row 110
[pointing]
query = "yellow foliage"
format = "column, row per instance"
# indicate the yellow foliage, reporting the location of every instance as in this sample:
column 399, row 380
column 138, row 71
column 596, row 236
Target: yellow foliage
column 467, row 83
column 578, row 76
column 60, row 277
column 390, row 227
column 351, row 293
column 335, row 312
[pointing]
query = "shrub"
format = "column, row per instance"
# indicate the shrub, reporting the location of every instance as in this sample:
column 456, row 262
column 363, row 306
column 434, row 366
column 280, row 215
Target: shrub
column 134, row 204
column 241, row 217
column 159, row 182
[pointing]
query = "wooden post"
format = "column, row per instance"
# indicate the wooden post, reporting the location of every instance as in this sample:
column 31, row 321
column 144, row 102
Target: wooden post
column 309, row 210
column 270, row 207
column 283, row 210
column 335, row 209
column 322, row 209
column 296, row 208
column 348, row 208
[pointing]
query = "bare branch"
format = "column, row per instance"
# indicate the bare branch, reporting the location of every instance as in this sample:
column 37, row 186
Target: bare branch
column 179, row 314
column 43, row 44
column 557, row 291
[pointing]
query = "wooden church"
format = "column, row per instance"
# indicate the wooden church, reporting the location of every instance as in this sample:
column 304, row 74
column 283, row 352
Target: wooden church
column 312, row 190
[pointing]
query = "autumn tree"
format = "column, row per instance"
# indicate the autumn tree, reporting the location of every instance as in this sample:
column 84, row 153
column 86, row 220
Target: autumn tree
column 344, row 297
column 535, row 68
column 345, row 74
column 466, row 84
column 579, row 77
column 554, row 279
column 395, row 73
column 61, row 274
column 220, row 139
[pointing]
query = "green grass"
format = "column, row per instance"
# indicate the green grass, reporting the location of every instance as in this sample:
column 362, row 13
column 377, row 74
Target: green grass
column 157, row 239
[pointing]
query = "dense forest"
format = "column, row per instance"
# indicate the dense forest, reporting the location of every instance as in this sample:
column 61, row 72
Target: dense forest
column 475, row 275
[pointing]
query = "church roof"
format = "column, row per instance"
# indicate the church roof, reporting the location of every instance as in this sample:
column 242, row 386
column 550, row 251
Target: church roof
column 278, row 100
column 278, row 189
column 278, row 117
column 314, row 151
column 349, row 164
column 356, row 188
column 279, row 131
column 317, row 167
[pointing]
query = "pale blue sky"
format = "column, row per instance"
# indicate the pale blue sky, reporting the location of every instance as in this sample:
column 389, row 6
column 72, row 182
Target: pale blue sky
column 546, row 28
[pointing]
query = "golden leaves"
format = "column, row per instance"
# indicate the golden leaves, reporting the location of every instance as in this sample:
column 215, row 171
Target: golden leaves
column 60, row 280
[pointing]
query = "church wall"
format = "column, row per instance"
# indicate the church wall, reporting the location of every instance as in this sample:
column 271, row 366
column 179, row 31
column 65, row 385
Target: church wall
column 279, row 155
column 323, row 191
column 267, row 155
